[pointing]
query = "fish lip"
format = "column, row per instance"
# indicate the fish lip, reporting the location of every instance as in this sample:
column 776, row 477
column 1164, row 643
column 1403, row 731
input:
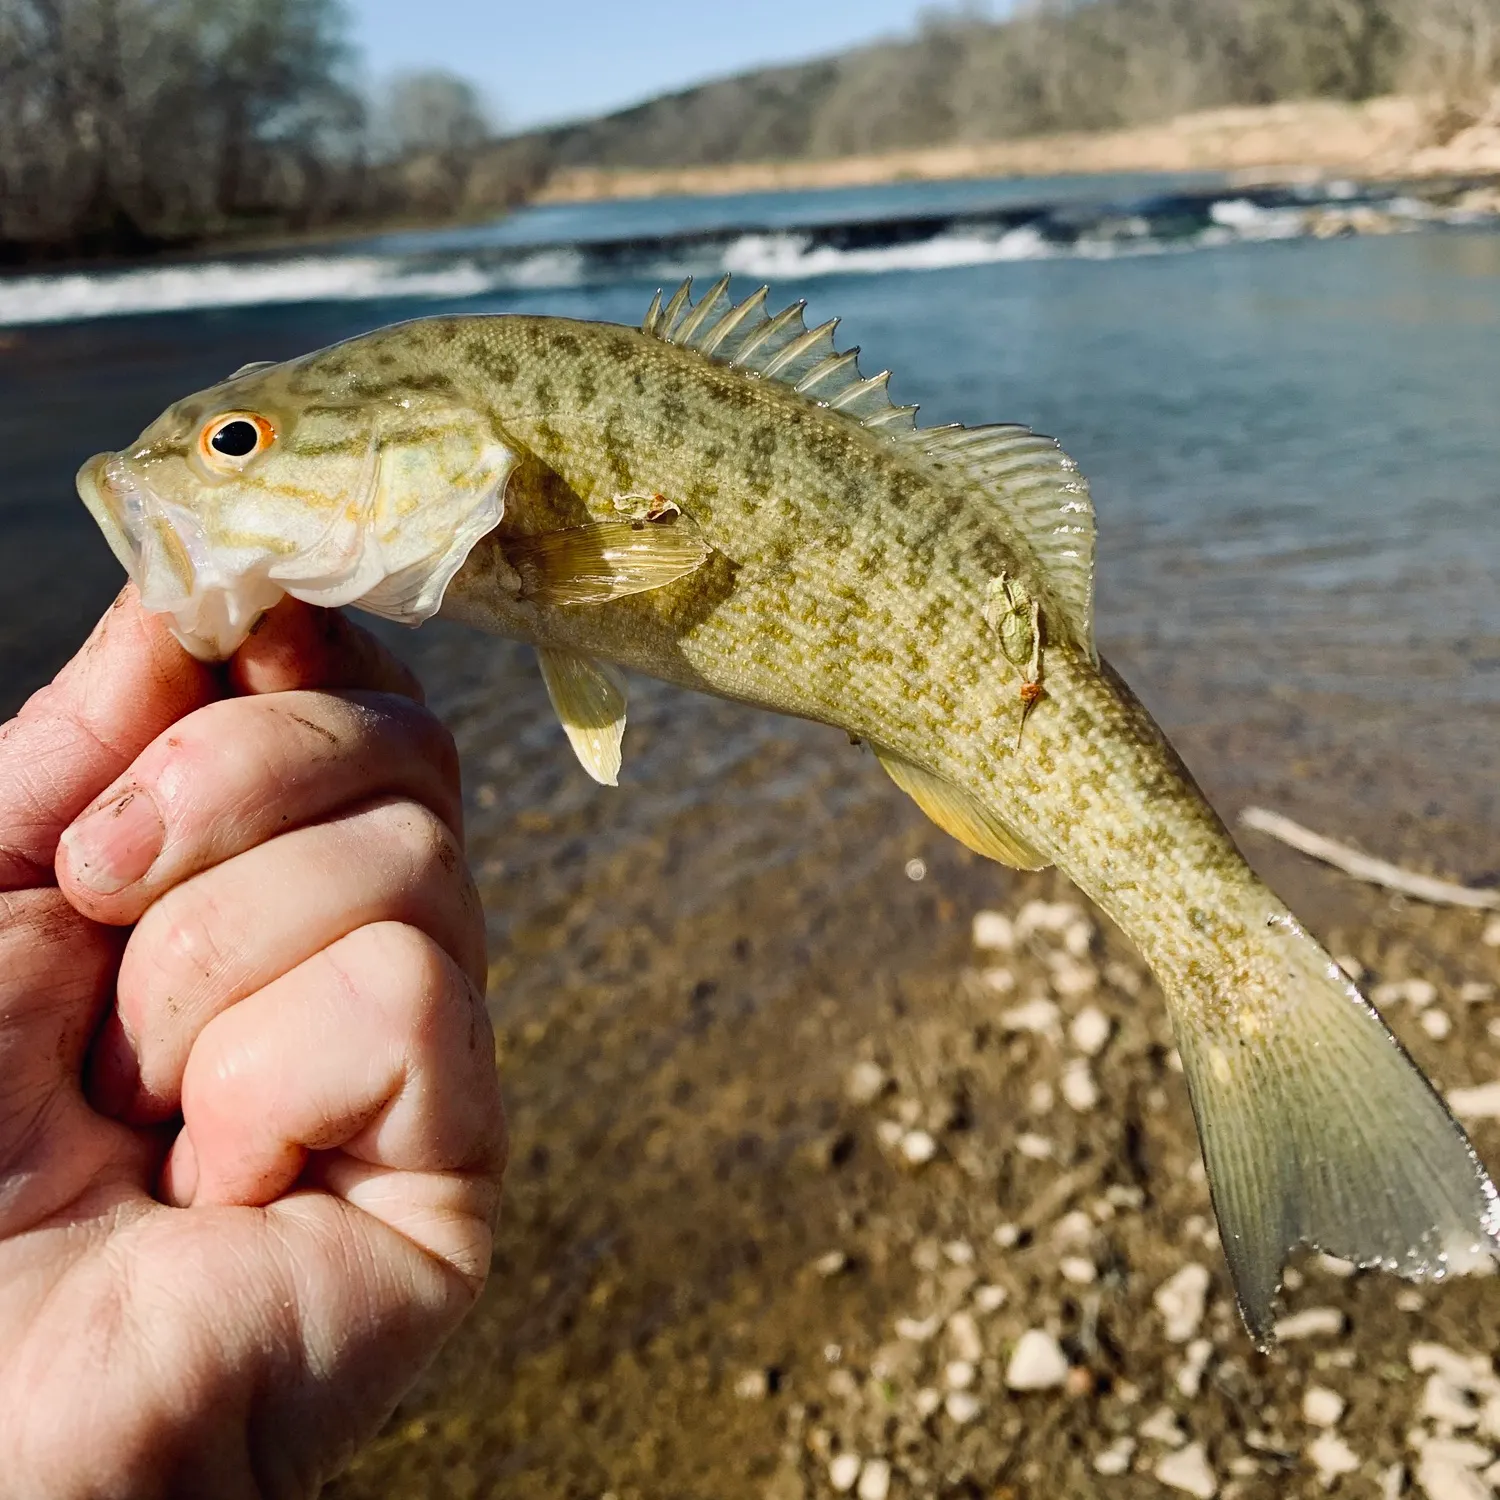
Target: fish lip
column 99, row 487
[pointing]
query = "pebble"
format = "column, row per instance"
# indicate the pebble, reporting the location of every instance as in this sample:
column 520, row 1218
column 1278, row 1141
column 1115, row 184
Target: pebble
column 1041, row 1097
column 1409, row 1300
column 1470, row 1372
column 753, row 1385
column 889, row 1133
column 1115, row 1459
column 1332, row 1457
column 866, row 1083
column 834, row 1263
column 1475, row 992
column 999, row 981
column 1162, row 1426
column 918, row 1148
column 917, row 1330
column 1090, row 1031
column 1007, row 1236
column 1417, row 993
column 995, row 930
column 1437, row 1024
column 963, row 1337
column 1311, row 1322
column 1034, row 1147
column 1037, row 1363
column 1078, row 1269
column 1181, row 1299
column 958, row 1375
column 1188, row 1470
column 1078, row 938
column 1448, row 1402
column 1351, row 966
column 1321, row 1406
column 843, row 1471
column 1490, row 937
column 1333, row 1265
column 962, row 1406
column 1074, row 1228
column 874, row 1480
column 1445, row 1471
column 1046, row 916
column 1482, row 1102
column 1071, row 978
column 959, row 1252
column 1038, row 1016
column 927, row 1401
column 1079, row 1090
column 990, row 1298
column 1189, row 1378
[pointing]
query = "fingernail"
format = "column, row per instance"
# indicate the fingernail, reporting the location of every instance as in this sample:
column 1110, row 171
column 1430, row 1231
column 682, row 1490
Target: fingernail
column 116, row 844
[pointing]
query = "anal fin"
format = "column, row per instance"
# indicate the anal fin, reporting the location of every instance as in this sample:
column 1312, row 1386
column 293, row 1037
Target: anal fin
column 589, row 697
column 957, row 813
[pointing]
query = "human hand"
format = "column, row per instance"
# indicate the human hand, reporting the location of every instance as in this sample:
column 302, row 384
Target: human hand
column 250, row 1145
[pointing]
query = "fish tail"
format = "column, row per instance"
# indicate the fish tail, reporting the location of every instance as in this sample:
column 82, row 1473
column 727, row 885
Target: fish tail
column 1318, row 1129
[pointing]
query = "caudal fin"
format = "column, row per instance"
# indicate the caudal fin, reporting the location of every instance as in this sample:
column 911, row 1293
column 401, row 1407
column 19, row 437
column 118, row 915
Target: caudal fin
column 1318, row 1129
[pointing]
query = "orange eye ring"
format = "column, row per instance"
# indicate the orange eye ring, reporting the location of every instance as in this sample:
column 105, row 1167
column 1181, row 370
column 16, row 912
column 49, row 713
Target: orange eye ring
column 230, row 440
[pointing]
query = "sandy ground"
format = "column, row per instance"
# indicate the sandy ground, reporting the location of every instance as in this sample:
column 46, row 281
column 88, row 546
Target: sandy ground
column 829, row 1180
column 1386, row 137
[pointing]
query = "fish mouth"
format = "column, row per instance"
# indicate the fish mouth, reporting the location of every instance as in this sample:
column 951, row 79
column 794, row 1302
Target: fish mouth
column 114, row 505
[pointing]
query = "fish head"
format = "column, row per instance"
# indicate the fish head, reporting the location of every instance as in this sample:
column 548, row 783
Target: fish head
column 311, row 478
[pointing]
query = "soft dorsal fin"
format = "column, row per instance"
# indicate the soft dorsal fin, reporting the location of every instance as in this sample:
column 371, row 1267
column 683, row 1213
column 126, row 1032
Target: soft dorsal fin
column 1033, row 483
column 957, row 813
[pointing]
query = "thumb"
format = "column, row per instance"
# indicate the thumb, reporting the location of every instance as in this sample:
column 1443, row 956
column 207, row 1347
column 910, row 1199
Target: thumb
column 129, row 682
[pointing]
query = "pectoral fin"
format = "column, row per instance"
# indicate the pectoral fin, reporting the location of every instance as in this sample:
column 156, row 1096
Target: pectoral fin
column 957, row 813
column 589, row 697
column 606, row 559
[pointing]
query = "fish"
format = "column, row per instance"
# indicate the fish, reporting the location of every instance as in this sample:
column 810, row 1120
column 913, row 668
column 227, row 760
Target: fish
column 721, row 499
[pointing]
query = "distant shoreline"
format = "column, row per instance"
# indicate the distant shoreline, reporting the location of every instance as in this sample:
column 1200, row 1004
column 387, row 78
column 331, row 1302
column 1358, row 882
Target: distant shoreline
column 1283, row 142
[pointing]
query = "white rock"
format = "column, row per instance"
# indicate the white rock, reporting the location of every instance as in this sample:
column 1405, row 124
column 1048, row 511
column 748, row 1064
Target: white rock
column 1040, row 1097
column 1162, row 1426
column 1115, row 1459
column 1007, row 1236
column 1475, row 992
column 1079, row 1090
column 1447, row 1401
column 1333, row 1265
column 1417, row 993
column 958, row 1374
column 834, row 1263
column 1393, row 1482
column 1482, row 1102
column 1332, row 1457
column 1078, row 938
column 1469, row 1372
column 1071, row 978
column 1443, row 1473
column 918, row 1147
column 1188, row 1470
column 1181, row 1299
column 874, row 1480
column 962, row 1406
column 927, row 1401
column 995, row 930
column 1034, row 1147
column 963, row 1337
column 753, row 1385
column 1490, row 937
column 1090, row 1031
column 990, row 1298
column 843, row 1471
column 1038, row 1016
column 889, row 1133
column 1037, row 1363
column 1189, row 1377
column 917, row 1330
column 959, row 1252
column 1074, row 1228
column 1078, row 1269
column 1409, row 1299
column 1046, row 916
column 1437, row 1024
column 1125, row 1195
column 1459, row 1452
column 1321, row 1406
column 1310, row 1323
column 998, row 981
column 866, row 1083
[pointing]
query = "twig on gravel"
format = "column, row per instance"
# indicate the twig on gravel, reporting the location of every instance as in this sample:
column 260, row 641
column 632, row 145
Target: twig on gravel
column 1365, row 867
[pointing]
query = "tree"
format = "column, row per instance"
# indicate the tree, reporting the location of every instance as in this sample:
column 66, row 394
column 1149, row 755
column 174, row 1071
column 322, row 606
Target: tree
column 432, row 112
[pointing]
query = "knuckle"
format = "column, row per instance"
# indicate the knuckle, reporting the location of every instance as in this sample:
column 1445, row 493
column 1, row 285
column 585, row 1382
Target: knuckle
column 413, row 976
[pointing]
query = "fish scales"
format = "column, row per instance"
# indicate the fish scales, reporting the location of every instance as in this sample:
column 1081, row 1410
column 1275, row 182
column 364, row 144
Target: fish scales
column 721, row 501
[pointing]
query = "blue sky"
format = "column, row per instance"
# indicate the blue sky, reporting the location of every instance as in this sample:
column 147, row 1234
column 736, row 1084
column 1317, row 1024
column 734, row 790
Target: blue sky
column 550, row 60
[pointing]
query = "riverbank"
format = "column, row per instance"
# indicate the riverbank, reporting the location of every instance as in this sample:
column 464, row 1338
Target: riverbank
column 1296, row 141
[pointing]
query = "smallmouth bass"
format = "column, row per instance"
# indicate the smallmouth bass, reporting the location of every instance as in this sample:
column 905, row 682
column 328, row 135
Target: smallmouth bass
column 720, row 499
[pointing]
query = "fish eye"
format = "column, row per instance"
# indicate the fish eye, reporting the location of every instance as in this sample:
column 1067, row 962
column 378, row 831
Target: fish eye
column 230, row 440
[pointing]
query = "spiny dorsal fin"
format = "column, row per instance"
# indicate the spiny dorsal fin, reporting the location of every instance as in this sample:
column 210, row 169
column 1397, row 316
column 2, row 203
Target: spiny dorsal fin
column 1035, row 485
column 957, row 813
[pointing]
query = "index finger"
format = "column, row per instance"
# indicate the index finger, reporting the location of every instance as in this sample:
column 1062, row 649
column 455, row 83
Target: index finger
column 128, row 683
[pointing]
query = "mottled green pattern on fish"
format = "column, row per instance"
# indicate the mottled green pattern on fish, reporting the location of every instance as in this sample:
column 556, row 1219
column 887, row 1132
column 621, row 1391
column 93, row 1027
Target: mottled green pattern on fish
column 673, row 505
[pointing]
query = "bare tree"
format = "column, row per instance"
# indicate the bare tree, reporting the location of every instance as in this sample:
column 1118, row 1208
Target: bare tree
column 432, row 112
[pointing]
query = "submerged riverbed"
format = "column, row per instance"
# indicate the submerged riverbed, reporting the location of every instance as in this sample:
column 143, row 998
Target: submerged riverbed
column 712, row 1223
